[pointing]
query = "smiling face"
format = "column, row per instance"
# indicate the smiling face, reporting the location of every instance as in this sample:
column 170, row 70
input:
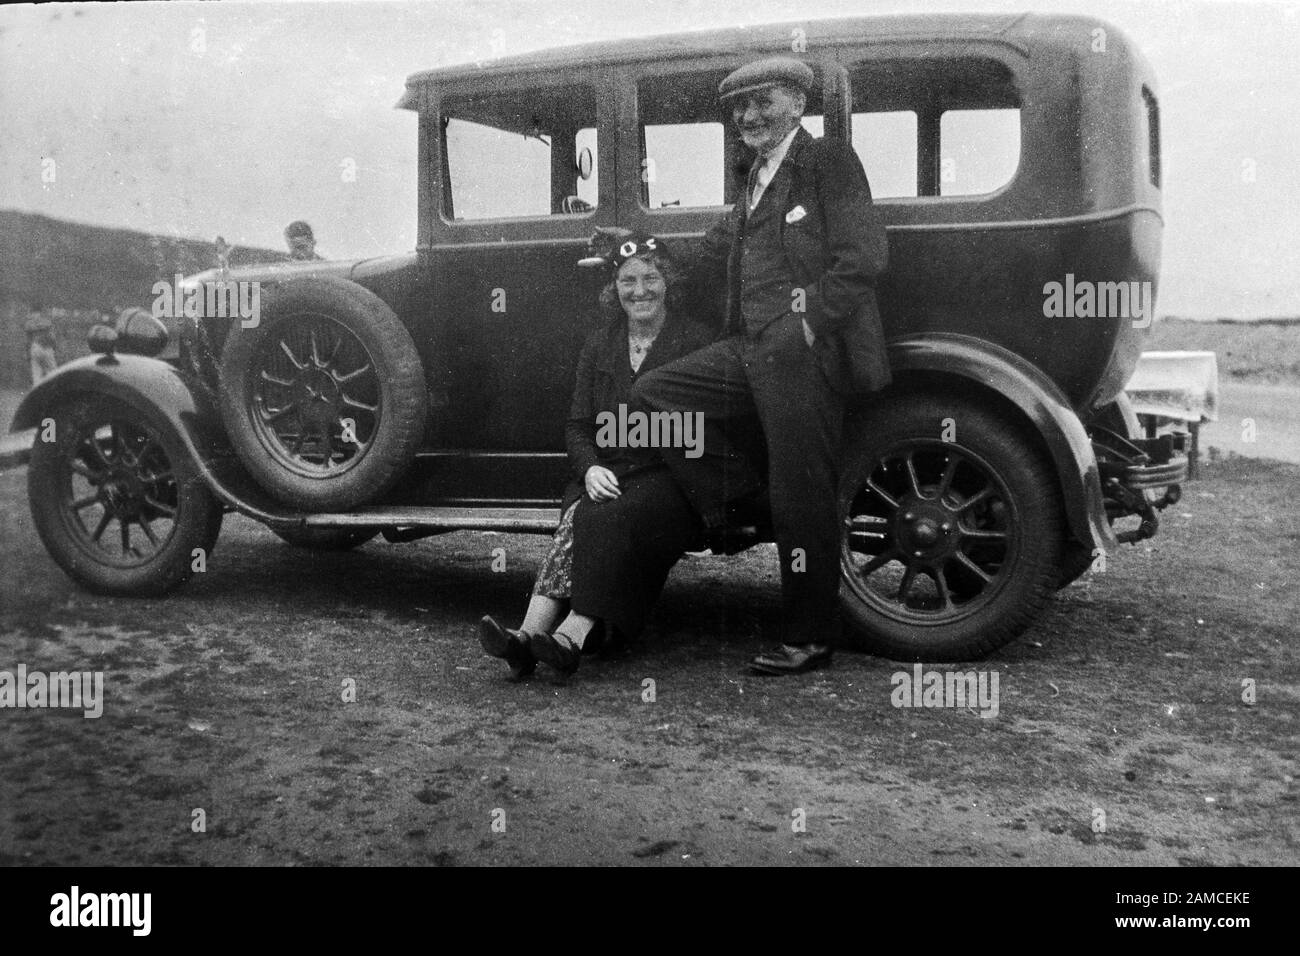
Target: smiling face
column 764, row 117
column 642, row 290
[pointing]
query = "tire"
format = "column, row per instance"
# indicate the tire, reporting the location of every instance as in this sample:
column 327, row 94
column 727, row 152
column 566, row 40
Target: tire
column 950, row 549
column 324, row 399
column 117, row 501
column 325, row 539
column 1075, row 563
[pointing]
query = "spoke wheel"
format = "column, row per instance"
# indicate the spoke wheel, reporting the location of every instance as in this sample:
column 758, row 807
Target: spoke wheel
column 315, row 397
column 929, row 533
column 324, row 398
column 116, row 501
column 950, row 548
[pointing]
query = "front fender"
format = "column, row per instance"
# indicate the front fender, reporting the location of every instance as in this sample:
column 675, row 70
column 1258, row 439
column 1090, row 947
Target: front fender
column 151, row 385
column 164, row 395
column 1040, row 403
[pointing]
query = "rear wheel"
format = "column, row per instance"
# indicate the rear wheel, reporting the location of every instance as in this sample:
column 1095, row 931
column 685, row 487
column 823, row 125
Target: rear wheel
column 117, row 502
column 951, row 548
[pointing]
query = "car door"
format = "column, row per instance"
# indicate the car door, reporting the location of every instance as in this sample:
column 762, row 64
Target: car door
column 523, row 176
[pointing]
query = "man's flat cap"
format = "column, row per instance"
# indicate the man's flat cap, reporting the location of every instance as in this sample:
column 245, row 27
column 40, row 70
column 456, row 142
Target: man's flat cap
column 761, row 74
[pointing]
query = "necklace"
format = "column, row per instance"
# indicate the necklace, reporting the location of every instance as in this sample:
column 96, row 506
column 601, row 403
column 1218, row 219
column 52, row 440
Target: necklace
column 637, row 348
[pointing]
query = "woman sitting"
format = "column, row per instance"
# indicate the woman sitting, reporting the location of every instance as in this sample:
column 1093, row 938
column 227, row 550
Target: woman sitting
column 624, row 520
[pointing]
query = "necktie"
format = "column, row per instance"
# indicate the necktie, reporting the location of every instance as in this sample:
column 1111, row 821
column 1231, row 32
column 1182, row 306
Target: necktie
column 751, row 187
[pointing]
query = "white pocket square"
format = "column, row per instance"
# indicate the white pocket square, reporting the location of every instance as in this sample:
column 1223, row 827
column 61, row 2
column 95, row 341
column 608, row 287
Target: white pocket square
column 795, row 214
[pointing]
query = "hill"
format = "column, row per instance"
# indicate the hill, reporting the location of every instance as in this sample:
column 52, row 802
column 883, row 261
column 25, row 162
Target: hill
column 73, row 272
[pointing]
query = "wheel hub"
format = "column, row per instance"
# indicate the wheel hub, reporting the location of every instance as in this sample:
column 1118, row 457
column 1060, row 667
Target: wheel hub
column 926, row 529
column 123, row 490
column 316, row 398
column 320, row 398
column 318, row 386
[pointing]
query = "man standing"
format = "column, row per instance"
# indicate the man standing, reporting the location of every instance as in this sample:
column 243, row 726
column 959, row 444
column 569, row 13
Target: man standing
column 801, row 252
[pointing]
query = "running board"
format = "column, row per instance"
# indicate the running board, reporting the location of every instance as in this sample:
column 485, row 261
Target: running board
column 534, row 520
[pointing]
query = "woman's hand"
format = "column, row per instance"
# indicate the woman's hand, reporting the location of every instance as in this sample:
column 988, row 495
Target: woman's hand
column 602, row 484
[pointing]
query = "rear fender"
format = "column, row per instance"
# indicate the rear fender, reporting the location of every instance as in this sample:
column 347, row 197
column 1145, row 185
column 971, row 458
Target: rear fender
column 1040, row 404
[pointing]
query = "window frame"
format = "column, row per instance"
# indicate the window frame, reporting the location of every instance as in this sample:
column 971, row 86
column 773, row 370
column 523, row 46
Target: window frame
column 551, row 226
column 680, row 221
column 929, row 112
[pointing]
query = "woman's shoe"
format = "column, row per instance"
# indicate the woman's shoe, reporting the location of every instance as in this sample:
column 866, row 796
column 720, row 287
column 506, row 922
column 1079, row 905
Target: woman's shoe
column 563, row 657
column 509, row 645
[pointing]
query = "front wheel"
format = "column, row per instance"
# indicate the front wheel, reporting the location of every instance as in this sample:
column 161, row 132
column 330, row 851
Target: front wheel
column 117, row 502
column 953, row 530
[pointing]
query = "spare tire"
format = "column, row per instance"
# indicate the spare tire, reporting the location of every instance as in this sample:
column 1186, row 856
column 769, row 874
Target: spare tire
column 324, row 398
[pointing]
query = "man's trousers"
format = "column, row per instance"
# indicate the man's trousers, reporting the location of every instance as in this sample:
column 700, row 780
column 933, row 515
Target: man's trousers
column 771, row 379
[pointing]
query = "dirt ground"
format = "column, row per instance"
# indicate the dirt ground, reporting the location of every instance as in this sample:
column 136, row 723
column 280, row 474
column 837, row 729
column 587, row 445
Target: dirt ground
column 1122, row 736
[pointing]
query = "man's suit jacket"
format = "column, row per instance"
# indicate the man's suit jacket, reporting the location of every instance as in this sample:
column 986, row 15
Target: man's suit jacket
column 836, row 247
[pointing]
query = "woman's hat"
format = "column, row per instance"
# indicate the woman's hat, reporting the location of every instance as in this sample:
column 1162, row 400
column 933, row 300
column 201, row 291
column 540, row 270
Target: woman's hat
column 637, row 244
column 615, row 248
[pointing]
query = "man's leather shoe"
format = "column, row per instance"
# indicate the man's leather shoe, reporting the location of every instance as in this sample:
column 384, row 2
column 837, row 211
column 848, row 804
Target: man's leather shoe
column 563, row 657
column 792, row 659
column 509, row 645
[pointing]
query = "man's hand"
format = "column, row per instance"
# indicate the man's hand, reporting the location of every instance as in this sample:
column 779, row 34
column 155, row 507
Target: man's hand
column 602, row 484
column 808, row 333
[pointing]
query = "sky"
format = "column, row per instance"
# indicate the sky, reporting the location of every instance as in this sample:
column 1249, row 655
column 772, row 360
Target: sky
column 234, row 118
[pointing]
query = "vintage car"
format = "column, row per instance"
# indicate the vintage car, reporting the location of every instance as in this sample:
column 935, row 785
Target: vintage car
column 1014, row 159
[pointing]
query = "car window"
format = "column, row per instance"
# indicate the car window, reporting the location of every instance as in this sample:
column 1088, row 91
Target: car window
column 1150, row 142
column 530, row 152
column 978, row 150
column 685, row 140
column 935, row 126
column 886, row 144
column 683, row 164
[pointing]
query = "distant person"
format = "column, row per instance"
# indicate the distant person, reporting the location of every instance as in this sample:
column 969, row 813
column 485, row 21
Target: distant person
column 302, row 243
column 224, row 249
column 40, row 346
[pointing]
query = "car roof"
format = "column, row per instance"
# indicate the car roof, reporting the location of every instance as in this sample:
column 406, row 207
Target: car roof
column 1020, row 30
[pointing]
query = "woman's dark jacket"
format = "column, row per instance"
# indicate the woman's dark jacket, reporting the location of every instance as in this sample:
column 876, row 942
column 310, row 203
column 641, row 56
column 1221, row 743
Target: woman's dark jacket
column 604, row 381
